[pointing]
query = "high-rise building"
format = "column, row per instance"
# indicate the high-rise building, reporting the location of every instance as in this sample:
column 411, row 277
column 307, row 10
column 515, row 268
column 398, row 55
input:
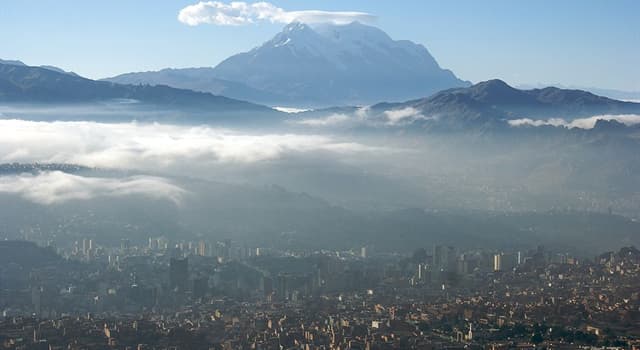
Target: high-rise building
column 444, row 258
column 87, row 248
column 282, row 286
column 497, row 262
column 202, row 248
column 36, row 300
column 438, row 257
column 266, row 285
column 227, row 249
column 509, row 261
column 462, row 265
column 179, row 273
column 125, row 244
column 451, row 259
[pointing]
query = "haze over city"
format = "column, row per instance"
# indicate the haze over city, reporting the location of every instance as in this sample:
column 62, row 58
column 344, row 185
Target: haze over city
column 319, row 175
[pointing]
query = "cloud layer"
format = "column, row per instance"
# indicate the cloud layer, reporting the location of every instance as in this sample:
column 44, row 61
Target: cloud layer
column 404, row 115
column 238, row 13
column 363, row 116
column 581, row 123
column 58, row 187
column 152, row 146
column 332, row 120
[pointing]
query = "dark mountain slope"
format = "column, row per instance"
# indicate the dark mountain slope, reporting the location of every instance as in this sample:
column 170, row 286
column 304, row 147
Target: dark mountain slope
column 24, row 84
column 198, row 79
column 494, row 101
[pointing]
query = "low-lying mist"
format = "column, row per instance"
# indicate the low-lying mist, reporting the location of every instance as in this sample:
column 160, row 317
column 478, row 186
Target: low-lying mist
column 233, row 179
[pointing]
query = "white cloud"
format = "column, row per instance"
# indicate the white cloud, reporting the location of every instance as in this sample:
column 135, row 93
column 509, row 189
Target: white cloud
column 151, row 146
column 57, row 187
column 364, row 116
column 334, row 119
column 397, row 116
column 241, row 13
column 537, row 122
column 581, row 123
column 290, row 110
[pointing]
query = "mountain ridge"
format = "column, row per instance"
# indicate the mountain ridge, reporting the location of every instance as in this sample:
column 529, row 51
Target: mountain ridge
column 485, row 104
column 547, row 102
column 26, row 84
column 49, row 67
column 488, row 104
column 197, row 79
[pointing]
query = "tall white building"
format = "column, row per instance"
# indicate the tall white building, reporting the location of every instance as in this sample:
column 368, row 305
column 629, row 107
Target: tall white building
column 497, row 262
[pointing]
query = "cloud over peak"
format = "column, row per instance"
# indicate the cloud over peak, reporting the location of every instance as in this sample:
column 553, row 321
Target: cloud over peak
column 238, row 13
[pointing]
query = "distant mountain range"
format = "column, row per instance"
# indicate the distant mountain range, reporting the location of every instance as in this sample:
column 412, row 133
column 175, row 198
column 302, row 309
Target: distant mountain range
column 323, row 65
column 25, row 84
column 488, row 103
column 20, row 63
column 200, row 79
column 494, row 101
column 633, row 96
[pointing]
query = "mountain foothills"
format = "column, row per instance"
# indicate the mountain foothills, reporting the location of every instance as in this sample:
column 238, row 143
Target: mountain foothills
column 25, row 84
column 320, row 65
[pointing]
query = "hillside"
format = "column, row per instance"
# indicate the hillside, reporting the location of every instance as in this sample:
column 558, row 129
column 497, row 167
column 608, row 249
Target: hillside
column 24, row 84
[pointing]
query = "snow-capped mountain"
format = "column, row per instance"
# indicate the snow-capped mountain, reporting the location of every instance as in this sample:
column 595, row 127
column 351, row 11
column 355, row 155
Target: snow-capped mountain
column 333, row 64
column 328, row 64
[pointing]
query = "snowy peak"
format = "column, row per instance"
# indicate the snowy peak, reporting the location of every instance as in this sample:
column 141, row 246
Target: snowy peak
column 352, row 32
column 333, row 40
column 294, row 34
column 318, row 65
column 296, row 27
column 328, row 64
column 296, row 30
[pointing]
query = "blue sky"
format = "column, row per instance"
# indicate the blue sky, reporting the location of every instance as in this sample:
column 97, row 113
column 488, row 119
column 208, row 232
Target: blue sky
column 571, row 42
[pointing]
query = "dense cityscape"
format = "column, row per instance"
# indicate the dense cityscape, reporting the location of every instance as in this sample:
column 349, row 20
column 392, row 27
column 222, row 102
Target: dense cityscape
column 221, row 295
